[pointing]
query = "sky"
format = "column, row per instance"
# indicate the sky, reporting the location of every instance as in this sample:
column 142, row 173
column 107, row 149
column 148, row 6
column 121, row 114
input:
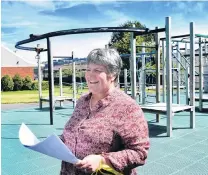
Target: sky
column 21, row 18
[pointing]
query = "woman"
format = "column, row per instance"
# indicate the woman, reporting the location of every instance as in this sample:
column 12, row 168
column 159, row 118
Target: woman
column 107, row 125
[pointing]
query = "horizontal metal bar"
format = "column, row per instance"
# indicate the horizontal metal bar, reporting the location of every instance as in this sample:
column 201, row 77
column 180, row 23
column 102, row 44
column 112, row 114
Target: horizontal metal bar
column 62, row 57
column 185, row 41
column 138, row 54
column 201, row 35
column 148, row 53
column 149, row 102
column 75, row 60
column 150, row 83
column 29, row 48
column 187, row 35
column 153, row 47
column 180, row 49
column 151, row 95
column 204, row 54
column 77, row 31
column 149, row 69
column 151, row 31
column 178, row 36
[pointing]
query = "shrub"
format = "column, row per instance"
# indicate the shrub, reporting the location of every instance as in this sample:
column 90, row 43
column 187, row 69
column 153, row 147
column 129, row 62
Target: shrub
column 18, row 82
column 7, row 83
column 45, row 85
column 35, row 85
column 27, row 83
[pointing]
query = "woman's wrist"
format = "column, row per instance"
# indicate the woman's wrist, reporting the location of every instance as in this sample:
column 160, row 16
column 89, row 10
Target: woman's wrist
column 105, row 161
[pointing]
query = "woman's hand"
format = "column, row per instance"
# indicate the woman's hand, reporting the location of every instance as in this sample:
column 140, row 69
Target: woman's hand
column 90, row 163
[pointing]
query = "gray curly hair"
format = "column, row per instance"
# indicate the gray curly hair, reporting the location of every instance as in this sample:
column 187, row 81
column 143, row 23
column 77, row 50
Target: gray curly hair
column 107, row 57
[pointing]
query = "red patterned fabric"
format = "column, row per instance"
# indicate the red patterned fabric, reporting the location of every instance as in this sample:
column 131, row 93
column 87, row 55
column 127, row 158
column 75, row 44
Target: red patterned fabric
column 115, row 128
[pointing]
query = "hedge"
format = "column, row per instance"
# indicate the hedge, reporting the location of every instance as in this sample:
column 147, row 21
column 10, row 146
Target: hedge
column 27, row 83
column 45, row 85
column 7, row 83
column 17, row 83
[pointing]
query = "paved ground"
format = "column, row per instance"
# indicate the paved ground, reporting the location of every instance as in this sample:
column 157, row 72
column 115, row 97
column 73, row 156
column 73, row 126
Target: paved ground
column 17, row 106
column 186, row 153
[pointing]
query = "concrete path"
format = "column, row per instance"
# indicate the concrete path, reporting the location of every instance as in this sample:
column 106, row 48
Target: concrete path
column 17, row 106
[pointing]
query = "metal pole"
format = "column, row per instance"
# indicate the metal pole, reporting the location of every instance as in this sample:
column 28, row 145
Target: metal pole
column 60, row 84
column 60, row 81
column 139, row 77
column 187, row 77
column 39, row 78
column 192, row 74
column 173, row 82
column 205, row 46
column 157, row 47
column 133, row 65
column 174, row 71
column 144, row 88
column 50, row 80
column 143, row 76
column 80, row 76
column 178, row 74
column 125, row 81
column 201, row 65
column 118, row 81
column 205, row 73
column 140, row 85
column 164, row 77
column 168, row 75
column 74, row 80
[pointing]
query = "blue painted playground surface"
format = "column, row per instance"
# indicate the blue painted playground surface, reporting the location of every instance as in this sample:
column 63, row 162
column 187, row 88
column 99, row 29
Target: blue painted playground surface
column 186, row 153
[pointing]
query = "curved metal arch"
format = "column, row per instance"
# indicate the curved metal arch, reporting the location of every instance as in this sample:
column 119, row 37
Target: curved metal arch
column 76, row 31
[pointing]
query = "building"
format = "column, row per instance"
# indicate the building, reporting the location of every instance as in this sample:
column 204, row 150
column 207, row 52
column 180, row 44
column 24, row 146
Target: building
column 12, row 63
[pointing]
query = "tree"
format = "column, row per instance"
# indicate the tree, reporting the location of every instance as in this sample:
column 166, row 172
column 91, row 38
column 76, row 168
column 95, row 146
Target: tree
column 66, row 72
column 121, row 41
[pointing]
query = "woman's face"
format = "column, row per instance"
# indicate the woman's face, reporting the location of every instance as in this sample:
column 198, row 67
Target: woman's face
column 98, row 80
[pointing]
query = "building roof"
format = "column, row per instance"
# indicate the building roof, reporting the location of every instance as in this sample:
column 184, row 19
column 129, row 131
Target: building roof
column 11, row 59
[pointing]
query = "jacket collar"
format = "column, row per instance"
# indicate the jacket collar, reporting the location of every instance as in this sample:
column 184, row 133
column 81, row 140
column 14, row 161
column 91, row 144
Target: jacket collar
column 105, row 101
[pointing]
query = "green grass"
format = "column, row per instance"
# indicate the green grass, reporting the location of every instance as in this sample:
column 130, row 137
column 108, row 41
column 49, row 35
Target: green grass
column 32, row 96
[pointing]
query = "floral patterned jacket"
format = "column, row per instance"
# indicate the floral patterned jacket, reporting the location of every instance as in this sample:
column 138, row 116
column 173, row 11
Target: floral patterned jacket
column 115, row 128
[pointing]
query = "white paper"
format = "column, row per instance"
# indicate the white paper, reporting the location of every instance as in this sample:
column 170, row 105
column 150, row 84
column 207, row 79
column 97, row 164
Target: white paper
column 51, row 146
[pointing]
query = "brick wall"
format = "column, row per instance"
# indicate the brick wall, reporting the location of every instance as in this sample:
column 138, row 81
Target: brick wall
column 22, row 71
